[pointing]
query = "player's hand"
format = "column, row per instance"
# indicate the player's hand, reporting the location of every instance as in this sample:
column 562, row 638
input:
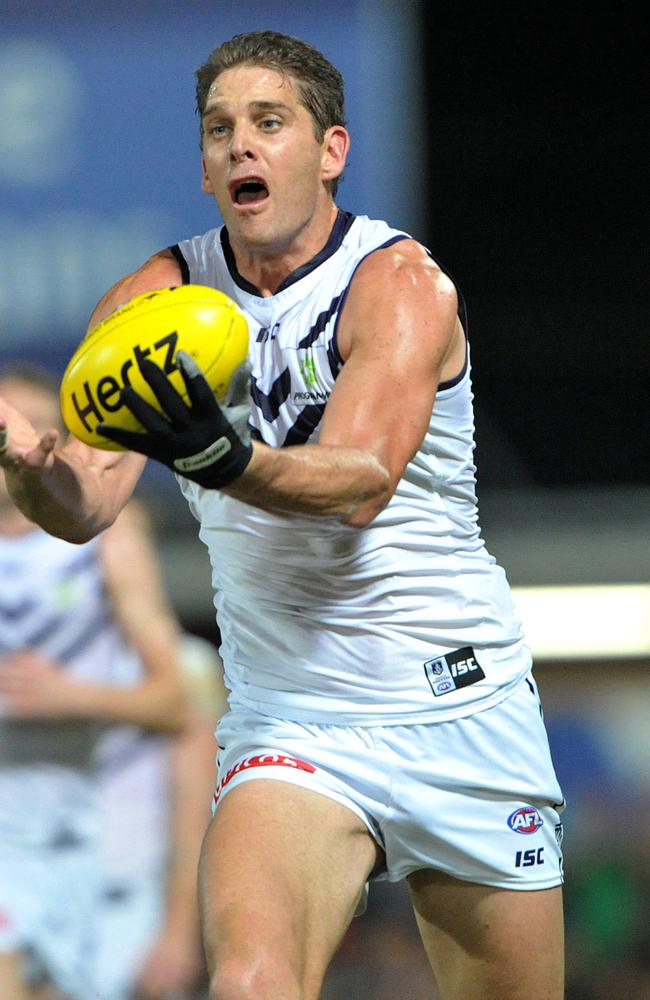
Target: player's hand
column 202, row 441
column 20, row 445
column 32, row 687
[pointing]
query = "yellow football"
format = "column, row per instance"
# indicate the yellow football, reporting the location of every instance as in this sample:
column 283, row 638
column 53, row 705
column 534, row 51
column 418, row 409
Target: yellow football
column 193, row 318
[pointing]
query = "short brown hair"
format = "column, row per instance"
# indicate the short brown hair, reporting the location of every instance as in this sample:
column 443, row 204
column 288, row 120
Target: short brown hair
column 320, row 85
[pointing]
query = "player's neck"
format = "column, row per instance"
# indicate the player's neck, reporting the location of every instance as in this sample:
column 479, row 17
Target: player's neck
column 267, row 267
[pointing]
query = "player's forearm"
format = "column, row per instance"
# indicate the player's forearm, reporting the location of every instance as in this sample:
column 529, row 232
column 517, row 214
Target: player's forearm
column 345, row 483
column 149, row 705
column 65, row 499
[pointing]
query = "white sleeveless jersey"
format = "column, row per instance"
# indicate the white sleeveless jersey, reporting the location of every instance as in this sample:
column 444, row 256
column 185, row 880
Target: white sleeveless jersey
column 53, row 601
column 408, row 619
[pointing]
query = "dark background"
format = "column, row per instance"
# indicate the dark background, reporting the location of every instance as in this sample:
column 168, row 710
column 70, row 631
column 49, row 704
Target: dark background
column 536, row 146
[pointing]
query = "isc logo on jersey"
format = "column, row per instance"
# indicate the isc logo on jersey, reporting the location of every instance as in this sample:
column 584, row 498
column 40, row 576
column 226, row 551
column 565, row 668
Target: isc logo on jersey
column 452, row 671
column 525, row 820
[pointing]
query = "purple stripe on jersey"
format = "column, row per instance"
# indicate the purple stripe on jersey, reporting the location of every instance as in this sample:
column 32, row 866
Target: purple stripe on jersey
column 305, row 425
column 321, row 322
column 270, row 403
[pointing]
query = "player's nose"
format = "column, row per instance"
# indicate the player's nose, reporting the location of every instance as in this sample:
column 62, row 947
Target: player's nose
column 241, row 146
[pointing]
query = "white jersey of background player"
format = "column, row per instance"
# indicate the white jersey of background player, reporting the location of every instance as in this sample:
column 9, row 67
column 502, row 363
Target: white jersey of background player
column 75, row 622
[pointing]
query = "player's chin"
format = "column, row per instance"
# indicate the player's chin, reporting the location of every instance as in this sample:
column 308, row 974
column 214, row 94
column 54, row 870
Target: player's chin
column 253, row 214
column 256, row 230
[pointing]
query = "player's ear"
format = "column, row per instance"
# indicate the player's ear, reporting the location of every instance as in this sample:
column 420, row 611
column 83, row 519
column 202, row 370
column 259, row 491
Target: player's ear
column 336, row 143
column 206, row 183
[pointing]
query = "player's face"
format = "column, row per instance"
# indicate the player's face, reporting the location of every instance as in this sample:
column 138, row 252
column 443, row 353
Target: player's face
column 262, row 160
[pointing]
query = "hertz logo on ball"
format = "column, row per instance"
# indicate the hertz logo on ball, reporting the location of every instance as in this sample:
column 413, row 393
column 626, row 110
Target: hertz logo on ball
column 202, row 321
column 105, row 397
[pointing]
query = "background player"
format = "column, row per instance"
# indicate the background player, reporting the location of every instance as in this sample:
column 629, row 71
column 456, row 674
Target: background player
column 86, row 638
column 155, row 795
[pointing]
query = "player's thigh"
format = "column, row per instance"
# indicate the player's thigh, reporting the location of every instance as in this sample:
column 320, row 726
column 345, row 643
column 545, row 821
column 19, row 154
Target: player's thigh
column 486, row 943
column 281, row 873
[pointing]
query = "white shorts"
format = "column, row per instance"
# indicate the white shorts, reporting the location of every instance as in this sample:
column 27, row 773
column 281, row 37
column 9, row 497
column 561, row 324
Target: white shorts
column 476, row 797
column 48, row 899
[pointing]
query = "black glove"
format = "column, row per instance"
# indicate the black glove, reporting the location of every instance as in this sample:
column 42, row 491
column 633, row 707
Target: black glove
column 204, row 442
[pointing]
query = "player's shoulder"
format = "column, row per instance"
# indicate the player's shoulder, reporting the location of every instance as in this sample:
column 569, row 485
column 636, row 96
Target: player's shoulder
column 402, row 265
column 163, row 265
column 161, row 270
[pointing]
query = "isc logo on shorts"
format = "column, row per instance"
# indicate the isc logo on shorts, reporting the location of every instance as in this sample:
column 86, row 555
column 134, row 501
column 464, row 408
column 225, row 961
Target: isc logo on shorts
column 525, row 820
column 455, row 670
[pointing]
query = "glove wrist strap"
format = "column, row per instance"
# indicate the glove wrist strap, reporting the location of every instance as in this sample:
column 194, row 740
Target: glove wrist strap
column 218, row 470
column 213, row 453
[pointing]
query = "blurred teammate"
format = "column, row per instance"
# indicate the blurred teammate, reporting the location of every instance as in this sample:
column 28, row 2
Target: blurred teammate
column 383, row 720
column 86, row 638
column 155, row 796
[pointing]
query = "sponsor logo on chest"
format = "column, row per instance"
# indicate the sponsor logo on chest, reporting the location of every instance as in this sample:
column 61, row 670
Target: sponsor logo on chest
column 312, row 392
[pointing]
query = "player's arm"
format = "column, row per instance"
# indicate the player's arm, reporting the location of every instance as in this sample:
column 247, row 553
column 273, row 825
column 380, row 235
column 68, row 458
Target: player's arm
column 399, row 336
column 72, row 490
column 142, row 612
column 175, row 959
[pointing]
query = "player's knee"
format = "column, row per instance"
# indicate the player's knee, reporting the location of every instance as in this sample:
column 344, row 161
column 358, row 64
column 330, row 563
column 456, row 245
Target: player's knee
column 254, row 978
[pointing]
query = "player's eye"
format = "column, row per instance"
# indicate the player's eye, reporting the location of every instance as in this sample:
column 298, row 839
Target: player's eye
column 270, row 124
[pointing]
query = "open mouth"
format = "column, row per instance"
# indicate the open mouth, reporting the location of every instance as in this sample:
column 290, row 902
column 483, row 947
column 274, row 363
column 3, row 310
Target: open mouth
column 249, row 192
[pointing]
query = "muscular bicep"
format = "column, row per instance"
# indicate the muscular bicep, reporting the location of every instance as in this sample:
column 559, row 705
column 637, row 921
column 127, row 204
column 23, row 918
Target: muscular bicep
column 398, row 334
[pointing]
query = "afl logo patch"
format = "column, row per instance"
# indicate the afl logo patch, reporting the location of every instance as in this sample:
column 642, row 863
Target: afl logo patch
column 525, row 820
